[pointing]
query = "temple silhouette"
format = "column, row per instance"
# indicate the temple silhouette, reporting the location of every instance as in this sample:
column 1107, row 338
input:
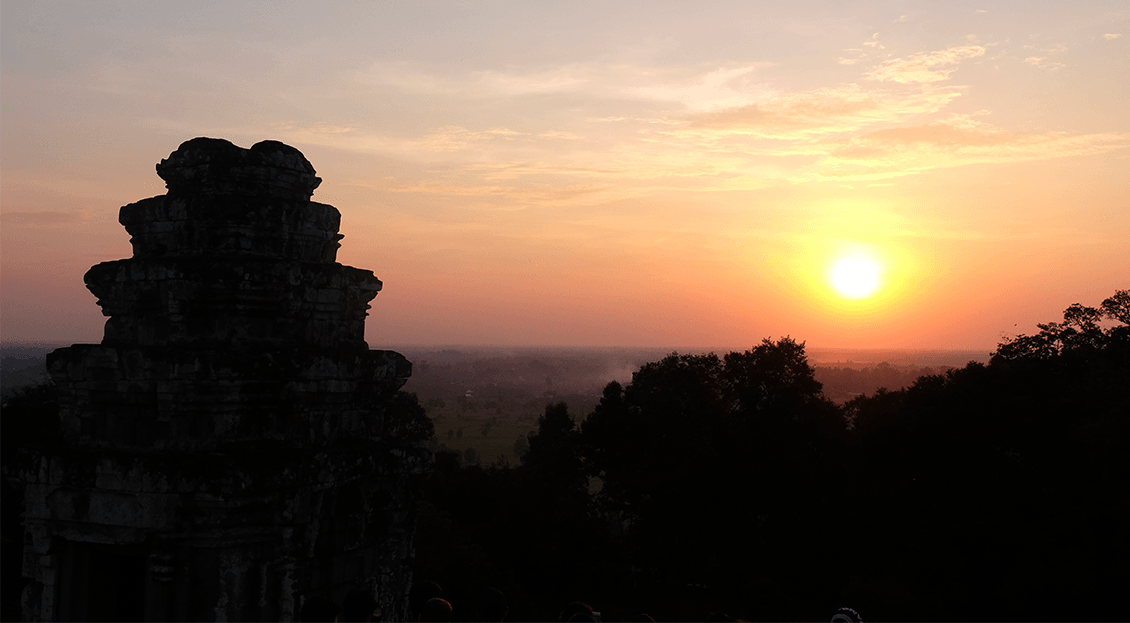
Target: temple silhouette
column 230, row 448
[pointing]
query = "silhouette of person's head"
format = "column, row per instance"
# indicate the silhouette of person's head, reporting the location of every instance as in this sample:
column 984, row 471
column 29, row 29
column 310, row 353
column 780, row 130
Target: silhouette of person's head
column 846, row 615
column 359, row 605
column 318, row 608
column 436, row 610
column 490, row 604
column 419, row 595
column 576, row 611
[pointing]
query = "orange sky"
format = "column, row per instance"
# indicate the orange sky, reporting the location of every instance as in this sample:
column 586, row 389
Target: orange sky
column 632, row 174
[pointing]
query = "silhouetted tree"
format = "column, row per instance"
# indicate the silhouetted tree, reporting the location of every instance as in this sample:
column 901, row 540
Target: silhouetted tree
column 774, row 377
column 997, row 489
column 1079, row 333
column 521, row 447
column 554, row 455
column 529, row 530
column 711, row 462
column 644, row 439
column 407, row 420
column 558, row 521
column 990, row 491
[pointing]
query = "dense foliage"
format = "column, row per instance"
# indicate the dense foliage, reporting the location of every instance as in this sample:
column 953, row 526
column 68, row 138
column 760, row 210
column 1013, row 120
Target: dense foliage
column 732, row 484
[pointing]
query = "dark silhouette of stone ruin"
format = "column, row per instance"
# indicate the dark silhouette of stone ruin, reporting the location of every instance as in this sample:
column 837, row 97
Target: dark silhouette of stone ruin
column 228, row 450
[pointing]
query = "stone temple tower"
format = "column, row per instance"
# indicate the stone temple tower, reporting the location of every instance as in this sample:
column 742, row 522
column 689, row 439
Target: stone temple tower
column 232, row 447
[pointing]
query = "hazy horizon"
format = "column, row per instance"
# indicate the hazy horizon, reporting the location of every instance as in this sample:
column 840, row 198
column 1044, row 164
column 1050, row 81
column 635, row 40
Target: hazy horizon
column 634, row 174
column 816, row 354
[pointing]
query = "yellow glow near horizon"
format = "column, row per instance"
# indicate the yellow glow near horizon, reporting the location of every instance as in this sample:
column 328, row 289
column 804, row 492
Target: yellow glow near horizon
column 853, row 281
column 693, row 165
column 855, row 277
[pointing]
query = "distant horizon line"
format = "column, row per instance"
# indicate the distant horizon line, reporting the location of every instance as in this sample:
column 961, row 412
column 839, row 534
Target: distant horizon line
column 683, row 349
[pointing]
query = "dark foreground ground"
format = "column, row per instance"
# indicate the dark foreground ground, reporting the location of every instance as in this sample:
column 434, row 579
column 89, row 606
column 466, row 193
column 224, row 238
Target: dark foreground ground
column 751, row 484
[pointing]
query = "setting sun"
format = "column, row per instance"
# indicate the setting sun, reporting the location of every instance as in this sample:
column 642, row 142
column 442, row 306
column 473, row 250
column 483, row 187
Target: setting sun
column 861, row 175
column 855, row 277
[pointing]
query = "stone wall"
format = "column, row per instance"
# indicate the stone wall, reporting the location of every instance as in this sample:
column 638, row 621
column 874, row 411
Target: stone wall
column 227, row 451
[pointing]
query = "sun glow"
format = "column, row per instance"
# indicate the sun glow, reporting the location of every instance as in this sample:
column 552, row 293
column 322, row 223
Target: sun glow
column 855, row 277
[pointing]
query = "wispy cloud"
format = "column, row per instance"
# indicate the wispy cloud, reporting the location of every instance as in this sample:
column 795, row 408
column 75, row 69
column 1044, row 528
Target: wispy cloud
column 705, row 129
column 1111, row 36
column 925, row 66
column 524, row 195
column 1044, row 63
column 506, row 186
column 452, row 138
column 824, row 111
column 696, row 87
column 958, row 141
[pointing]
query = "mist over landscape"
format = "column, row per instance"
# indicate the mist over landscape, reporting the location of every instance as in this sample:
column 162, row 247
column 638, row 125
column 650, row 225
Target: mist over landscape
column 503, row 390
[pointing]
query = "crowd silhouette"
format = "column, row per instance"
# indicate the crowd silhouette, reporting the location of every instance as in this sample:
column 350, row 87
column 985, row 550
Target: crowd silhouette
column 490, row 605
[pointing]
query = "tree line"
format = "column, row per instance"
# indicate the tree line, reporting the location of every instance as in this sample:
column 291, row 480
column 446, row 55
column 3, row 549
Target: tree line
column 733, row 484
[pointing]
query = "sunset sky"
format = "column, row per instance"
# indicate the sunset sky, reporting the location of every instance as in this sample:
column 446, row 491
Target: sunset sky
column 670, row 174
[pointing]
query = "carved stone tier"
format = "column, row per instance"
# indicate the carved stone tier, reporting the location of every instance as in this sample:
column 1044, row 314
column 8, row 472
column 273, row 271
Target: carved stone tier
column 212, row 166
column 192, row 399
column 242, row 301
column 232, row 225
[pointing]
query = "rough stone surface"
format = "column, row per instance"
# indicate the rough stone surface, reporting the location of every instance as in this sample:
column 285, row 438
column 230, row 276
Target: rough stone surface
column 213, row 166
column 224, row 452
